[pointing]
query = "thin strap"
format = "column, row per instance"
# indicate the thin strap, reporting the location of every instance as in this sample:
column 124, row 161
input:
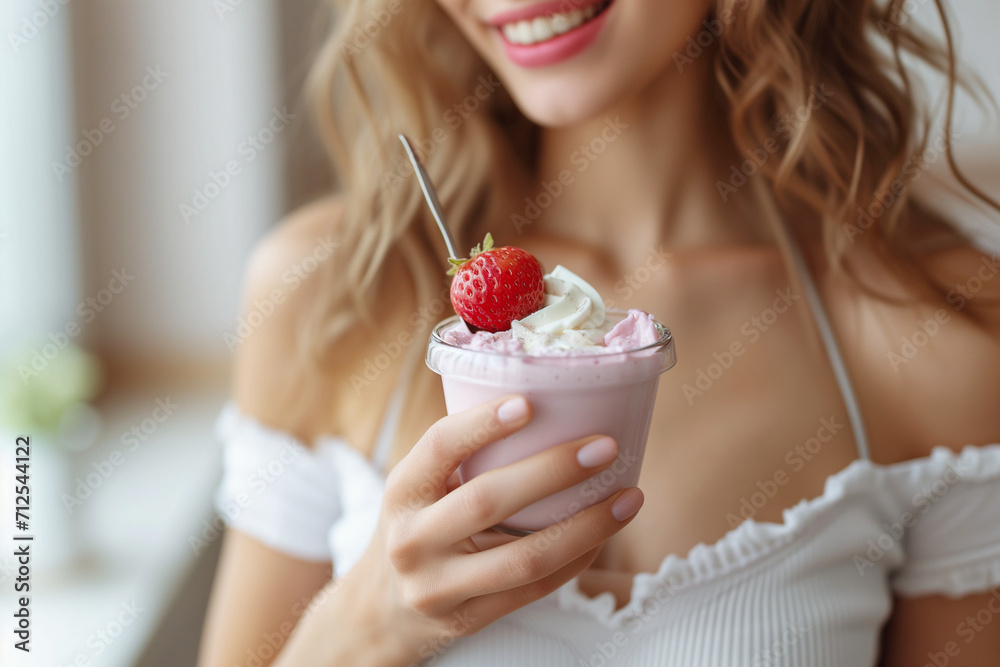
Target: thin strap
column 832, row 351
column 792, row 253
column 387, row 431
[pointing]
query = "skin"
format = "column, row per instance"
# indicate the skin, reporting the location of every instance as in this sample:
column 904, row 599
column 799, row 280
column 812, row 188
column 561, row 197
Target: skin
column 720, row 273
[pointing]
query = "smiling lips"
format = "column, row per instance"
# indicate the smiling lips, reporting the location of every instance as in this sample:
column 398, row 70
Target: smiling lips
column 550, row 32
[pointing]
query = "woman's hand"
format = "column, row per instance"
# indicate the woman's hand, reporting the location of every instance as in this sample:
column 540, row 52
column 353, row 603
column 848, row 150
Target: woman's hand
column 435, row 569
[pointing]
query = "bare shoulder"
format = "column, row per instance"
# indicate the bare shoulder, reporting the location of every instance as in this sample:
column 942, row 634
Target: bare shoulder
column 307, row 231
column 271, row 383
column 926, row 373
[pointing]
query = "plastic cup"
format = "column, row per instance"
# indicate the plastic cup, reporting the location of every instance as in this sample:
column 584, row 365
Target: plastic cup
column 572, row 396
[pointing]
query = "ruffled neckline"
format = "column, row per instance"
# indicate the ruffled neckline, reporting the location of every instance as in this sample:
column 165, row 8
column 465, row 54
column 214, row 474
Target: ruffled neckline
column 751, row 541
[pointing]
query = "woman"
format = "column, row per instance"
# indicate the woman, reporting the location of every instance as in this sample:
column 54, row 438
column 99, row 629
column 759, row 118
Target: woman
column 820, row 484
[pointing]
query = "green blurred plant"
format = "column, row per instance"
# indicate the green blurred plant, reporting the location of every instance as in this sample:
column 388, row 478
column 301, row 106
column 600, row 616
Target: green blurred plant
column 39, row 395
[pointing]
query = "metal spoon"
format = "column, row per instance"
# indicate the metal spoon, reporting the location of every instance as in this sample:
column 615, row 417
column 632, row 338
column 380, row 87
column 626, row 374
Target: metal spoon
column 430, row 195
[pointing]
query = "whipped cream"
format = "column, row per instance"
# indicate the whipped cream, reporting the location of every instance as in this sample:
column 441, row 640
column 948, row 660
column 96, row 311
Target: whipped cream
column 571, row 317
column 570, row 303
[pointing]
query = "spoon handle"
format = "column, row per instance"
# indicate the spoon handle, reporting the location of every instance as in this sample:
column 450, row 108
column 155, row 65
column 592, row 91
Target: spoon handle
column 430, row 195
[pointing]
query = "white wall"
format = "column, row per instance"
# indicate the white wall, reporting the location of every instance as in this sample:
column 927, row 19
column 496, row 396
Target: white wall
column 220, row 86
column 979, row 48
column 977, row 134
column 39, row 262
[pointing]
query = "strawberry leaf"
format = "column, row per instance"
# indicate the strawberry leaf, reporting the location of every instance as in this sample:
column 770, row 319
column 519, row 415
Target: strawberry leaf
column 479, row 249
column 486, row 246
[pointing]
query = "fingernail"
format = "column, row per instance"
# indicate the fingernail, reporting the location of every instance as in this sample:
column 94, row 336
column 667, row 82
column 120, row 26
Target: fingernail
column 627, row 504
column 513, row 410
column 597, row 453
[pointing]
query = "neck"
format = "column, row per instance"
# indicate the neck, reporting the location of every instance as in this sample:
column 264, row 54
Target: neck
column 648, row 167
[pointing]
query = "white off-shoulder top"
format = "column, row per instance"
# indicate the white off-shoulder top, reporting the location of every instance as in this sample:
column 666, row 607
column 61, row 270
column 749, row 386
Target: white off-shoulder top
column 812, row 591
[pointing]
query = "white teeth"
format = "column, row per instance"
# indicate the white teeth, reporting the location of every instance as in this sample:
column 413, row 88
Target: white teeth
column 560, row 23
column 543, row 28
column 525, row 34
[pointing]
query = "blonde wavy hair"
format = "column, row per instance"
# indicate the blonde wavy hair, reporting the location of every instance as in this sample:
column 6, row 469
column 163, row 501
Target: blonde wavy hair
column 394, row 67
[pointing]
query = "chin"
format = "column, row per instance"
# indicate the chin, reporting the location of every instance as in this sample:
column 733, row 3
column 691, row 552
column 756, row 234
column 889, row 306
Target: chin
column 570, row 61
column 571, row 99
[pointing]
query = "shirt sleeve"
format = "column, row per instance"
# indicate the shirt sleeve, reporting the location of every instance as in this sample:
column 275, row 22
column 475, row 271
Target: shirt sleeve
column 953, row 540
column 275, row 489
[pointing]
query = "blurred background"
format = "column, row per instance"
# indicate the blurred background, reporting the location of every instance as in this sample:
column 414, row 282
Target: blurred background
column 146, row 146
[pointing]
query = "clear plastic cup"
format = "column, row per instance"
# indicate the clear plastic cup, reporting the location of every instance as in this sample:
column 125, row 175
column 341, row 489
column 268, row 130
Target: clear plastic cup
column 571, row 397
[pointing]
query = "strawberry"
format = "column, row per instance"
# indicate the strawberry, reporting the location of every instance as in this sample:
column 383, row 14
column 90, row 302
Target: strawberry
column 496, row 286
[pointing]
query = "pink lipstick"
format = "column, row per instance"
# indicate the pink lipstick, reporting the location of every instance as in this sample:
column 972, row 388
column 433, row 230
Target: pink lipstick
column 547, row 33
